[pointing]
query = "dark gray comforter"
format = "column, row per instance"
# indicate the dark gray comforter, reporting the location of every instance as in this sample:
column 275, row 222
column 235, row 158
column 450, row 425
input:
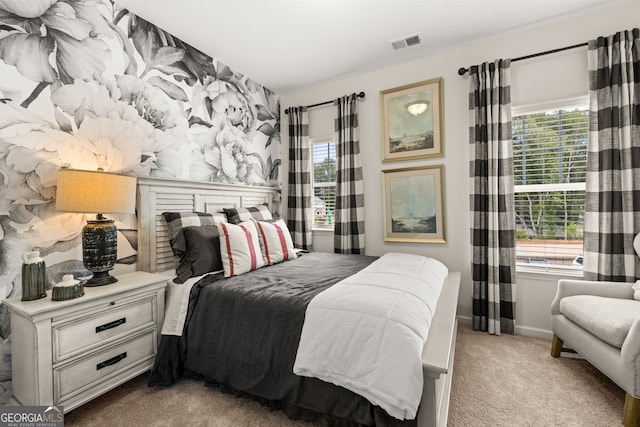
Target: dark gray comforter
column 242, row 333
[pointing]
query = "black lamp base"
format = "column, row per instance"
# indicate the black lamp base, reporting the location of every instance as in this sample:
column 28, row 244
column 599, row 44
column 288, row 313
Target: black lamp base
column 99, row 250
column 100, row 278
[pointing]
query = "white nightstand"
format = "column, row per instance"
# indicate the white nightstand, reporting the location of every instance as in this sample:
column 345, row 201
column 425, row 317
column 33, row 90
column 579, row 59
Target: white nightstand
column 69, row 352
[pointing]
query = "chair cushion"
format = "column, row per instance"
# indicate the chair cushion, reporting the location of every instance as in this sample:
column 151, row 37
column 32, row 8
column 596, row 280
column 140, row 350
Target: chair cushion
column 607, row 318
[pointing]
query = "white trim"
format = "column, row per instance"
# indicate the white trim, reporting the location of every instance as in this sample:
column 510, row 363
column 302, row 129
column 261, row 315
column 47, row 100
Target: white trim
column 322, row 139
column 534, row 188
column 520, row 330
column 533, row 332
column 543, row 272
column 328, row 229
column 557, row 104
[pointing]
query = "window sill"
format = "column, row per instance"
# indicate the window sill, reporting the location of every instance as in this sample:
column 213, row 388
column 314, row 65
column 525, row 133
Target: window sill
column 322, row 230
column 548, row 271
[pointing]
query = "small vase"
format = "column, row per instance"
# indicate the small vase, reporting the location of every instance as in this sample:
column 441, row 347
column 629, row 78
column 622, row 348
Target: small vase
column 69, row 288
column 33, row 277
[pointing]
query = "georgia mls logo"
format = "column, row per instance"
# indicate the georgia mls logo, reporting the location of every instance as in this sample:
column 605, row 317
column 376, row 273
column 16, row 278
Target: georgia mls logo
column 31, row 416
column 54, row 409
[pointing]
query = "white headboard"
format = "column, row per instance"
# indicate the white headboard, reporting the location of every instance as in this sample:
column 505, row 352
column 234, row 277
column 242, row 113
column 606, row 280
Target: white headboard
column 157, row 195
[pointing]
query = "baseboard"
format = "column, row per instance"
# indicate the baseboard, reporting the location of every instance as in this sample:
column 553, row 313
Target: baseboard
column 521, row 330
column 534, row 332
column 465, row 320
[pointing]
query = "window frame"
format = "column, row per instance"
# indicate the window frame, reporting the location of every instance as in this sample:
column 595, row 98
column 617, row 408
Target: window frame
column 553, row 105
column 318, row 141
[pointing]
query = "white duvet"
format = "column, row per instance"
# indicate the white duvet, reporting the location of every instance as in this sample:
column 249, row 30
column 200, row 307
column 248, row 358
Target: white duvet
column 366, row 333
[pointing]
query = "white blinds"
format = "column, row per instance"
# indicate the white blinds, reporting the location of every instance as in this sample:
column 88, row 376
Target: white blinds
column 550, row 155
column 324, row 183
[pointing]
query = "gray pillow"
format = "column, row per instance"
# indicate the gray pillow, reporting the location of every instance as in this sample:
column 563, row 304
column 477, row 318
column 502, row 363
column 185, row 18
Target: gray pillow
column 202, row 253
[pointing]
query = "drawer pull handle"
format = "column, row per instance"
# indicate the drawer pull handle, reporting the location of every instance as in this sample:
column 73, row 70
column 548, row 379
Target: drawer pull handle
column 110, row 325
column 111, row 361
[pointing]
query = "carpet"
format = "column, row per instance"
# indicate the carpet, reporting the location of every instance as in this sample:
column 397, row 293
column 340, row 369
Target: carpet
column 506, row 380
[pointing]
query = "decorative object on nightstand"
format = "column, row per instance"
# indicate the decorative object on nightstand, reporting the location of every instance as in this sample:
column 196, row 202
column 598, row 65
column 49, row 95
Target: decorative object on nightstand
column 33, row 276
column 69, row 288
column 97, row 192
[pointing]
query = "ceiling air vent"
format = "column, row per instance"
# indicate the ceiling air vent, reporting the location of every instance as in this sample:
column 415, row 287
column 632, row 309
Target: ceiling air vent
column 405, row 42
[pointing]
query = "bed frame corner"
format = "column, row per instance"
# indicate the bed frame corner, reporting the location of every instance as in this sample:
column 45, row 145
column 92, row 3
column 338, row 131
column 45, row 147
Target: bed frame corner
column 438, row 355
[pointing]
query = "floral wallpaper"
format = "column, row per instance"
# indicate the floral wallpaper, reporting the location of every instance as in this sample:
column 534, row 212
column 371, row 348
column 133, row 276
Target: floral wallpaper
column 86, row 84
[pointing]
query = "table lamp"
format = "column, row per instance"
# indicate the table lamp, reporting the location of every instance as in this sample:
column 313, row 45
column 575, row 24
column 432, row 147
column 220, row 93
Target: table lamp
column 97, row 192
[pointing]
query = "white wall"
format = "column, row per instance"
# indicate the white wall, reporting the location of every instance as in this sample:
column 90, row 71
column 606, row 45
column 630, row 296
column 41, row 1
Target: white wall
column 551, row 77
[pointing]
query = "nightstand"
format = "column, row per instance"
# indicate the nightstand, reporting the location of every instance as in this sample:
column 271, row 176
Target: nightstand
column 69, row 352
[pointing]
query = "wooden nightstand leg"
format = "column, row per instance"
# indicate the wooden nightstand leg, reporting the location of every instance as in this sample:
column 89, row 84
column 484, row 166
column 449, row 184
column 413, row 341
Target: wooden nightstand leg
column 631, row 417
column 556, row 346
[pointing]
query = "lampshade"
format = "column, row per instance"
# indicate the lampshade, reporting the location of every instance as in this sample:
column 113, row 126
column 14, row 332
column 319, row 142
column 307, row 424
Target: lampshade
column 95, row 192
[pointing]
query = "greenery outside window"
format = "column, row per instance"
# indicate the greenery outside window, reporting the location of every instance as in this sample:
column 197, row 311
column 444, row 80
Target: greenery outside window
column 550, row 158
column 324, row 182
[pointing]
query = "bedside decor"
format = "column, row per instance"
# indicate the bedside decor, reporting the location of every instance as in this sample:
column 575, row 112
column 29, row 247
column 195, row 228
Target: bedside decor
column 412, row 121
column 69, row 288
column 33, row 277
column 414, row 204
column 97, row 192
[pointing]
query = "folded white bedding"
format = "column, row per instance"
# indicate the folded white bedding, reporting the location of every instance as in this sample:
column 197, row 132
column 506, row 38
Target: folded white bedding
column 366, row 333
column 177, row 305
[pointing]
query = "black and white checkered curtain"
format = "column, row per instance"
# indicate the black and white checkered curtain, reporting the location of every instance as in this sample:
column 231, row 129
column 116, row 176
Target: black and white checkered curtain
column 299, row 209
column 612, row 211
column 349, row 210
column 492, row 198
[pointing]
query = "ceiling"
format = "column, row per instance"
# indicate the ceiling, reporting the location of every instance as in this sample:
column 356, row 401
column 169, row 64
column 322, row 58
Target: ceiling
column 286, row 45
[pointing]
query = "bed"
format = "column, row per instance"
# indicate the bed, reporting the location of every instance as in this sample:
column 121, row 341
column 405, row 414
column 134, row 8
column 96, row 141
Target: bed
column 155, row 255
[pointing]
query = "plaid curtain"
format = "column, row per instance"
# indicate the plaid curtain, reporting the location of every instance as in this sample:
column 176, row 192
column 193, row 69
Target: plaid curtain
column 612, row 211
column 492, row 198
column 349, row 211
column 299, row 209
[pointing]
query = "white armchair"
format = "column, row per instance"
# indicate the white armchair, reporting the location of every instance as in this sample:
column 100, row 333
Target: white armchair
column 601, row 321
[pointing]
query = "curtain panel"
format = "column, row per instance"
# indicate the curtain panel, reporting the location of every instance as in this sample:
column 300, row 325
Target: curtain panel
column 299, row 208
column 612, row 211
column 349, row 210
column 492, row 197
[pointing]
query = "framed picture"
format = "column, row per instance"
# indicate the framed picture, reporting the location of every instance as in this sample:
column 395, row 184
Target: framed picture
column 414, row 204
column 412, row 121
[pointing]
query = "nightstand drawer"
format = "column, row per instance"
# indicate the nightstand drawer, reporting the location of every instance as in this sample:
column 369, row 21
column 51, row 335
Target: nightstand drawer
column 79, row 376
column 82, row 333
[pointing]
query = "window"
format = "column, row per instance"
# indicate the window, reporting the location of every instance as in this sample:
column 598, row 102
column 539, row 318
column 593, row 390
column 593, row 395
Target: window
column 324, row 182
column 550, row 159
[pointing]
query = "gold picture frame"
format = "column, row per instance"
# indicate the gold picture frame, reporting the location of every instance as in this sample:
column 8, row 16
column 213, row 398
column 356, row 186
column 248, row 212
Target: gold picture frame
column 417, row 134
column 414, row 204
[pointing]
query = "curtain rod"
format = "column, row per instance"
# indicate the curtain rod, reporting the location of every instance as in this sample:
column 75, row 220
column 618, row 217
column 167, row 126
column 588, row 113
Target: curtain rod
column 360, row 95
column 462, row 70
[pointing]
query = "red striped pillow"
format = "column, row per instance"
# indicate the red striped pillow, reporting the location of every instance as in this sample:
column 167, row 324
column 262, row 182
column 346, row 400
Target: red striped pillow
column 275, row 241
column 240, row 248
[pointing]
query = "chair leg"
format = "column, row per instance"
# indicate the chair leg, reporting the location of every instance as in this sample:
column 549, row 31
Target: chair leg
column 556, row 347
column 631, row 416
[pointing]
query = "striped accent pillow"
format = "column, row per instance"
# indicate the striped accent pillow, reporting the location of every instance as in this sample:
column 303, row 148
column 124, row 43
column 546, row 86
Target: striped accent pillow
column 238, row 215
column 240, row 248
column 275, row 242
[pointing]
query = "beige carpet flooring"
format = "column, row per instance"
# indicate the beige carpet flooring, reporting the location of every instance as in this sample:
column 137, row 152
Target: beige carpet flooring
column 498, row 381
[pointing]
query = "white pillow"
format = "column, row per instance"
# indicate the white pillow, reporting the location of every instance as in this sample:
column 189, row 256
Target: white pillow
column 275, row 242
column 239, row 248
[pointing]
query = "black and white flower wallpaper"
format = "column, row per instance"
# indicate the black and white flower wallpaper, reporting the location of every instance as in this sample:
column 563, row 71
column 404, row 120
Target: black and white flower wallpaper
column 86, row 84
